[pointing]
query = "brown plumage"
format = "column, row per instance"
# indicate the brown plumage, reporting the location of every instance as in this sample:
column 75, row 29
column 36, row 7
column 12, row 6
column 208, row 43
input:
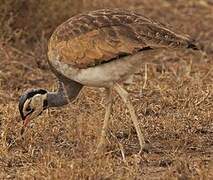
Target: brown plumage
column 90, row 39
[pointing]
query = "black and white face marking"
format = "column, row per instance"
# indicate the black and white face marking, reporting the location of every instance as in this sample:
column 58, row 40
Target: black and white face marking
column 32, row 103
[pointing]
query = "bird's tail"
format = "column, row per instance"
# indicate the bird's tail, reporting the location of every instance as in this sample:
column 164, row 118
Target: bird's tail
column 160, row 36
column 195, row 45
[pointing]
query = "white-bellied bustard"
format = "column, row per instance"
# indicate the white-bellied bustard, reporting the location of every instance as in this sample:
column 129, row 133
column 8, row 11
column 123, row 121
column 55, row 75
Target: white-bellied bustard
column 100, row 49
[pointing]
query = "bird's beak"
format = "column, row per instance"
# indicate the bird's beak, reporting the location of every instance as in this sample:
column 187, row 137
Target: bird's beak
column 26, row 121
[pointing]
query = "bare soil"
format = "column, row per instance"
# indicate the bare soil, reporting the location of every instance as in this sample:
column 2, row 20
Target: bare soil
column 174, row 105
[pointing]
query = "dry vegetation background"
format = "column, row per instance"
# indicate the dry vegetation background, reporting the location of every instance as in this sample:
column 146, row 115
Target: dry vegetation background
column 175, row 107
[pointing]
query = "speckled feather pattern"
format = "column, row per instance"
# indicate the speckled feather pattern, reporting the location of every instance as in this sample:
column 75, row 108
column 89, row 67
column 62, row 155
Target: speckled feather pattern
column 87, row 40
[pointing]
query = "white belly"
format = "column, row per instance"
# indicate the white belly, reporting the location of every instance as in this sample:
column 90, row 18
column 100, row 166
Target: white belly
column 102, row 75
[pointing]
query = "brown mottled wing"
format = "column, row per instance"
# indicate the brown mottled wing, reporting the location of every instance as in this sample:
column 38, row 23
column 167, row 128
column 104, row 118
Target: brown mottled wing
column 90, row 39
column 97, row 46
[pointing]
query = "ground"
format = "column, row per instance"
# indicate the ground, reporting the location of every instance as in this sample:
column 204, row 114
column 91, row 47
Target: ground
column 174, row 105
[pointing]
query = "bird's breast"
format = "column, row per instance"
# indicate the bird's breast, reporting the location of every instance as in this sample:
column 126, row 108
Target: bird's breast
column 102, row 75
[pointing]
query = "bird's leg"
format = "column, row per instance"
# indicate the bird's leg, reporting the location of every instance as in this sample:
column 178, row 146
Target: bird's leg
column 124, row 95
column 101, row 143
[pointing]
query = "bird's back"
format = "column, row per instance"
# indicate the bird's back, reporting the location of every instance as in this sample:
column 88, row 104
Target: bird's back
column 97, row 37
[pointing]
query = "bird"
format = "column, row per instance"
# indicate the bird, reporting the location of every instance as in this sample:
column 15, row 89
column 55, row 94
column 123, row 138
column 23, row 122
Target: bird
column 100, row 48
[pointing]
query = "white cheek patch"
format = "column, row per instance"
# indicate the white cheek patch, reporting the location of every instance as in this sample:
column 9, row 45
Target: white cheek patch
column 26, row 104
column 37, row 103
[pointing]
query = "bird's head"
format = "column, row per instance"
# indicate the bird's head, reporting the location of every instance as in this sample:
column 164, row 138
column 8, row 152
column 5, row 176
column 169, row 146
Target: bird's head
column 31, row 104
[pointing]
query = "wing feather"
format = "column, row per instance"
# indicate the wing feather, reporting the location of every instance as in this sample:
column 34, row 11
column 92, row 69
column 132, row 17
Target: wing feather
column 97, row 37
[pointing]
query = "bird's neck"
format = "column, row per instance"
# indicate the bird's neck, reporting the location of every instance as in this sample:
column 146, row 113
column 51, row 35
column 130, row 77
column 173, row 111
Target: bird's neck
column 67, row 92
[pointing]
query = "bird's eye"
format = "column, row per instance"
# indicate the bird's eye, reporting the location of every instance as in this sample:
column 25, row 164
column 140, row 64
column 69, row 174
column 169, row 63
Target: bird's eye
column 28, row 108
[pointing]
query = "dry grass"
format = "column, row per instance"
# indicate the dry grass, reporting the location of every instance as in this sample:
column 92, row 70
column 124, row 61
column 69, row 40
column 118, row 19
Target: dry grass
column 175, row 108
